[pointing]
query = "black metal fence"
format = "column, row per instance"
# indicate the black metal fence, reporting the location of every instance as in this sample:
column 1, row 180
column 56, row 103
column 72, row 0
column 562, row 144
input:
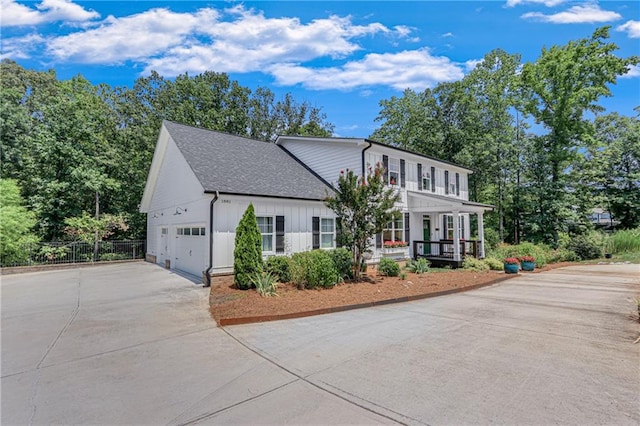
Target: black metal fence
column 76, row 252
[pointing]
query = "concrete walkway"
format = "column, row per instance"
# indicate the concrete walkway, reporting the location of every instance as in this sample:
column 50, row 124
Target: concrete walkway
column 134, row 344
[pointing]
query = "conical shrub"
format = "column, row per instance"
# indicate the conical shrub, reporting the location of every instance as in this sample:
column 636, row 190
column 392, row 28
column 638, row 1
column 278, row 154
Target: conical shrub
column 247, row 254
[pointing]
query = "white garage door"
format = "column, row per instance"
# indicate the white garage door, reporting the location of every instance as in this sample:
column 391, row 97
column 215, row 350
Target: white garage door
column 191, row 250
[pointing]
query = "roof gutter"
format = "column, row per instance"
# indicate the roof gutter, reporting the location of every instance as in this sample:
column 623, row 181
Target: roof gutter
column 207, row 274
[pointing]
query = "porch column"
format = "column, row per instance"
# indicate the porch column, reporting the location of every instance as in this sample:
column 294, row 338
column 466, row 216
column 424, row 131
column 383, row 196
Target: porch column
column 456, row 236
column 481, row 235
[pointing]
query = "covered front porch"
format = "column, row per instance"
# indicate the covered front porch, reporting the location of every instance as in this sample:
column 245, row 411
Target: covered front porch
column 446, row 228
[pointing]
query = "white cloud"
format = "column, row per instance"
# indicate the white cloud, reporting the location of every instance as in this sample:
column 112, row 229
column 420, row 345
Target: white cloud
column 19, row 47
column 548, row 3
column 634, row 71
column 590, row 13
column 136, row 37
column 631, row 27
column 16, row 14
column 415, row 69
column 471, row 64
column 447, row 35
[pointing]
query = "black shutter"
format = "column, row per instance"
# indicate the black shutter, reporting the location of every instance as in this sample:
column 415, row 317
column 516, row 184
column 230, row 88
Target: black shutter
column 402, row 174
column 444, row 226
column 385, row 165
column 420, row 177
column 279, row 234
column 433, row 179
column 339, row 233
column 446, row 181
column 407, row 237
column 379, row 240
column 457, row 183
column 316, row 232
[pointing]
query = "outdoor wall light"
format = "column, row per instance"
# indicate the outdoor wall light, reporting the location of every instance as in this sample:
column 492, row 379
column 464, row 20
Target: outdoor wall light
column 180, row 210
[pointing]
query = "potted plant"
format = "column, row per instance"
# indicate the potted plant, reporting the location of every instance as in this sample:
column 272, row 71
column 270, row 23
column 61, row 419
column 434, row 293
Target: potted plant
column 511, row 265
column 528, row 263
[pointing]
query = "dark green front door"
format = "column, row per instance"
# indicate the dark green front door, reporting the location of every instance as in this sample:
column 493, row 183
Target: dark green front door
column 426, row 233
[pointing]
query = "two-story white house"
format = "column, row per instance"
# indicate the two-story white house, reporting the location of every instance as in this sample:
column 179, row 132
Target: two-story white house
column 436, row 211
column 201, row 182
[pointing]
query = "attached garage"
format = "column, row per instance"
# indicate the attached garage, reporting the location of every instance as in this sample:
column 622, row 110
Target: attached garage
column 191, row 249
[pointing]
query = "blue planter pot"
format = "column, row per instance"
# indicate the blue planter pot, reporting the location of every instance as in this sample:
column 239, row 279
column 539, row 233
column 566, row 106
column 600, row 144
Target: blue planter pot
column 511, row 268
column 528, row 266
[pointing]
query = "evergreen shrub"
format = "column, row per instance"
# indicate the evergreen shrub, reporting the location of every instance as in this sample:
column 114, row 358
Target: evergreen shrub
column 247, row 254
column 279, row 267
column 389, row 267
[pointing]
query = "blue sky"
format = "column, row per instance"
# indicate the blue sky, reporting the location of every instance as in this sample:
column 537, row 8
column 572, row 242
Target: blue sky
column 341, row 56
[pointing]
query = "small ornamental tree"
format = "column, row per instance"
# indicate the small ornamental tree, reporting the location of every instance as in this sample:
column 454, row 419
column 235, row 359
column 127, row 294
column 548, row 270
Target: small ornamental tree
column 247, row 255
column 363, row 207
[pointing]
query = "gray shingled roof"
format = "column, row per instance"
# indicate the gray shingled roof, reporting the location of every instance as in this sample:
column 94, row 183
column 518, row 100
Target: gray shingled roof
column 236, row 165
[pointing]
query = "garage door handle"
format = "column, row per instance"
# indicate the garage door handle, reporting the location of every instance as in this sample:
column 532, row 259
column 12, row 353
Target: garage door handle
column 189, row 252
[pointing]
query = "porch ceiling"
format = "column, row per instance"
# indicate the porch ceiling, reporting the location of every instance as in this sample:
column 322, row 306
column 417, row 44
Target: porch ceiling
column 419, row 202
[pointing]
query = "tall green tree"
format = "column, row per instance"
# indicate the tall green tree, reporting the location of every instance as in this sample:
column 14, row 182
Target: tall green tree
column 363, row 206
column 16, row 225
column 559, row 88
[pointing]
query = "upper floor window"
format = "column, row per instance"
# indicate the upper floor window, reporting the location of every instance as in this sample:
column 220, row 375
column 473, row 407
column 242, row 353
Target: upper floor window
column 196, row 231
column 452, row 187
column 265, row 224
column 426, row 180
column 394, row 171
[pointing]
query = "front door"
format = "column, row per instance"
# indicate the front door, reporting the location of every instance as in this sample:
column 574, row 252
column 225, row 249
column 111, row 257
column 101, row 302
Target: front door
column 426, row 233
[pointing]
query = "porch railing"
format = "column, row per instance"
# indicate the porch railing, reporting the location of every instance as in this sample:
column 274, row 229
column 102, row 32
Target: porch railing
column 444, row 249
column 31, row 254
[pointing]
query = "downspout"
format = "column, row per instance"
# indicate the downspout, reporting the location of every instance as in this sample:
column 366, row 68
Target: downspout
column 207, row 274
column 364, row 170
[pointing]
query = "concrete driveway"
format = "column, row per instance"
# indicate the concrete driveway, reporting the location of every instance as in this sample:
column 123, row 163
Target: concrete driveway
column 134, row 344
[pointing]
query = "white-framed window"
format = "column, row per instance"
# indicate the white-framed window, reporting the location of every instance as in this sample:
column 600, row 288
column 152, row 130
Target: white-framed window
column 267, row 230
column 449, row 230
column 452, row 188
column 327, row 232
column 394, row 171
column 426, row 180
column 394, row 230
column 195, row 231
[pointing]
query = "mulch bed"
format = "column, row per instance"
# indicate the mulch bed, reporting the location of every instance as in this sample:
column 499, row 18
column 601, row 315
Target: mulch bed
column 230, row 306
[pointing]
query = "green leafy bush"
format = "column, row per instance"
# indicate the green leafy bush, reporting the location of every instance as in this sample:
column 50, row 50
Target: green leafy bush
column 562, row 255
column 108, row 257
column 312, row 269
column 265, row 284
column 587, row 246
column 494, row 264
column 279, row 267
column 540, row 252
column 473, row 264
column 343, row 261
column 247, row 254
column 626, row 241
column 491, row 238
column 389, row 267
column 419, row 266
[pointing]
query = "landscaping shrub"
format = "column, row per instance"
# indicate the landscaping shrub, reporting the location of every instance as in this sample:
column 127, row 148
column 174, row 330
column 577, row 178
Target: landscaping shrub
column 540, row 252
column 491, row 238
column 247, row 254
column 265, row 284
column 311, row 269
column 389, row 267
column 419, row 266
column 473, row 264
column 562, row 255
column 279, row 267
column 587, row 246
column 494, row 264
column 343, row 261
column 626, row 241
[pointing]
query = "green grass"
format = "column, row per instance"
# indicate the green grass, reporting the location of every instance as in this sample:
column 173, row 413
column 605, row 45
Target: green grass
column 622, row 242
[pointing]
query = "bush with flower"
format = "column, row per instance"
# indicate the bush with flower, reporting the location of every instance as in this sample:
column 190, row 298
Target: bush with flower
column 511, row 261
column 527, row 259
column 395, row 244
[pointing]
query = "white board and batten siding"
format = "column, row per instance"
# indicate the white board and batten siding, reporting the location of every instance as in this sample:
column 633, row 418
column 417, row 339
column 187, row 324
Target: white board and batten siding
column 327, row 158
column 178, row 201
column 298, row 216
